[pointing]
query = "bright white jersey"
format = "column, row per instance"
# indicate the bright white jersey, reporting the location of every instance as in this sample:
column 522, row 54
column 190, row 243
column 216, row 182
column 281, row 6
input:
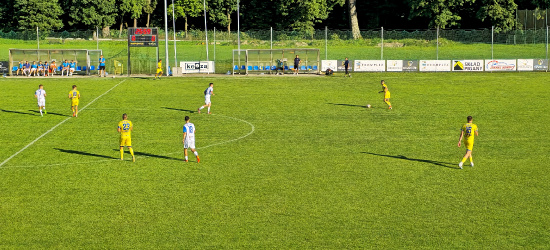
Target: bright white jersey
column 40, row 94
column 208, row 91
column 189, row 128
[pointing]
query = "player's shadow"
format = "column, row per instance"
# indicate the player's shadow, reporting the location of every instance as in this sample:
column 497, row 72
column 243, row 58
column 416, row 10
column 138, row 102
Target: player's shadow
column 182, row 110
column 49, row 113
column 17, row 112
column 402, row 157
column 345, row 104
column 153, row 155
column 69, row 151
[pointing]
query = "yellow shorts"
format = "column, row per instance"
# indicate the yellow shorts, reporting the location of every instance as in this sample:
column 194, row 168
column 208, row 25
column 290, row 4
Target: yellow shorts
column 126, row 141
column 387, row 95
column 74, row 102
column 159, row 70
column 469, row 145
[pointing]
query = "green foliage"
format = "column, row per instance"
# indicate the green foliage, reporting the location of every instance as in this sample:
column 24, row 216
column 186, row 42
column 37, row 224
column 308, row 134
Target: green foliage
column 500, row 13
column 441, row 13
column 38, row 13
column 186, row 8
column 93, row 13
column 220, row 11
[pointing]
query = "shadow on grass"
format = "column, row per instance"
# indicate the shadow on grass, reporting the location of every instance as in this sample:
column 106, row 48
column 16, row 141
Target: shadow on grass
column 84, row 153
column 182, row 110
column 17, row 112
column 348, row 105
column 137, row 153
column 49, row 113
column 402, row 157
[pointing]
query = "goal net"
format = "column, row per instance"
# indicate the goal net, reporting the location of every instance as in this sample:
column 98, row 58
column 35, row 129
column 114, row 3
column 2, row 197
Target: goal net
column 275, row 61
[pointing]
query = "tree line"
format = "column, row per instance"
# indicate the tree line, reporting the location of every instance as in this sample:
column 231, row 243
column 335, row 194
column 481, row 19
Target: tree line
column 300, row 15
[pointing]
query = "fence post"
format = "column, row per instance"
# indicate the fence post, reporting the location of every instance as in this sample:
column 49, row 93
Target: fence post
column 326, row 42
column 167, row 60
column 492, row 41
column 37, row 39
column 271, row 39
column 239, row 29
column 437, row 44
column 546, row 42
column 97, row 37
column 205, row 29
column 382, row 44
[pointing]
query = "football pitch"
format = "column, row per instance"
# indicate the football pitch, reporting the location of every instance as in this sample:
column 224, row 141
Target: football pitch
column 286, row 162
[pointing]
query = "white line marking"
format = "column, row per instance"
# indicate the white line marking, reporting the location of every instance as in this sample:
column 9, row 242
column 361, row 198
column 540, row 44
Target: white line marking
column 54, row 127
column 253, row 129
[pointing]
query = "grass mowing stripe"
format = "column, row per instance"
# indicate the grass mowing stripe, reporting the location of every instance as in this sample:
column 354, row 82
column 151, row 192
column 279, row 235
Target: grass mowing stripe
column 54, row 127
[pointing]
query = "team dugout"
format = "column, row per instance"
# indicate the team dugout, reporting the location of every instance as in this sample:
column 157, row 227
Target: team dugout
column 87, row 60
column 275, row 61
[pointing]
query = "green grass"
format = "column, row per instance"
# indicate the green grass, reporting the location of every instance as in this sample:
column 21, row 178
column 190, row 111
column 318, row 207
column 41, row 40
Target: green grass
column 144, row 58
column 318, row 171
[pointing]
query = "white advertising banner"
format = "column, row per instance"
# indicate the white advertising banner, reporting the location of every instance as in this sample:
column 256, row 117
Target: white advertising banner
column 500, row 65
column 525, row 64
column 197, row 67
column 467, row 65
column 329, row 64
column 370, row 65
column 435, row 65
column 394, row 65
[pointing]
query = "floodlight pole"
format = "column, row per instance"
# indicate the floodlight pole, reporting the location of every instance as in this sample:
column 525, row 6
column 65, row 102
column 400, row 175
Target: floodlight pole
column 37, row 39
column 166, row 39
column 97, row 37
column 205, row 29
column 214, row 44
column 271, row 39
column 174, row 28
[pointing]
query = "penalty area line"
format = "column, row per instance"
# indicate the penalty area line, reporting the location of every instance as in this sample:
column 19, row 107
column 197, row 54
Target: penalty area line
column 54, row 127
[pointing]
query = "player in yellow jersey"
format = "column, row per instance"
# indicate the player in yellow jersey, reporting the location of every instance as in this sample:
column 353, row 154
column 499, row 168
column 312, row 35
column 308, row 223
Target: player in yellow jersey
column 467, row 133
column 386, row 93
column 159, row 70
column 125, row 128
column 74, row 95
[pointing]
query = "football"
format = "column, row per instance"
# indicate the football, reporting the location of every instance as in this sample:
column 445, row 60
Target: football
column 368, row 106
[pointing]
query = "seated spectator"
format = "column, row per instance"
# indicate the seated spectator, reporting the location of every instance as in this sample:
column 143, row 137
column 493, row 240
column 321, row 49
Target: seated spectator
column 27, row 68
column 34, row 68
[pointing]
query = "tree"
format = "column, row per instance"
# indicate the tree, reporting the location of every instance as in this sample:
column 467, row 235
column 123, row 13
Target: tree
column 93, row 13
column 441, row 13
column 304, row 14
column 186, row 9
column 353, row 19
column 220, row 11
column 500, row 13
column 6, row 19
column 38, row 13
column 136, row 9
column 149, row 7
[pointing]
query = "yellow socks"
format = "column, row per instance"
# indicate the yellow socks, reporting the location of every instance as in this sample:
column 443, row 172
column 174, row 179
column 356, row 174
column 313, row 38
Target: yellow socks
column 463, row 159
column 471, row 160
column 121, row 153
column 131, row 151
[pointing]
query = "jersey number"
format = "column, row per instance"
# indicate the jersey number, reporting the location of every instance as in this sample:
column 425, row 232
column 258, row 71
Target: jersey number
column 468, row 131
column 125, row 126
column 191, row 130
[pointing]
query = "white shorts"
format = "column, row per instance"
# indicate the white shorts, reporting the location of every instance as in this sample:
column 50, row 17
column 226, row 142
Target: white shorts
column 41, row 102
column 72, row 69
column 189, row 144
column 207, row 99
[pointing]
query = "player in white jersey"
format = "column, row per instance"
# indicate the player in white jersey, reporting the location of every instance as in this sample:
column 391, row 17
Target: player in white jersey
column 207, row 93
column 40, row 95
column 189, row 139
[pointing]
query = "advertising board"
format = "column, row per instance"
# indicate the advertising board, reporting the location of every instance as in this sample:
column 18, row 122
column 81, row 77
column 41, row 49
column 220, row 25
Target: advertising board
column 370, row 65
column 500, row 65
column 410, row 65
column 329, row 64
column 540, row 65
column 394, row 65
column 341, row 66
column 197, row 67
column 467, row 65
column 525, row 64
column 435, row 65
